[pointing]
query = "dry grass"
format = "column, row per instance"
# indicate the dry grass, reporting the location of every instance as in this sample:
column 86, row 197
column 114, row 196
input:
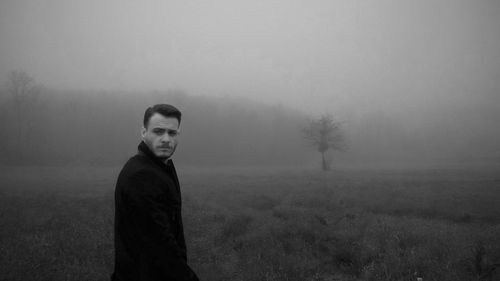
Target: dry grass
column 249, row 224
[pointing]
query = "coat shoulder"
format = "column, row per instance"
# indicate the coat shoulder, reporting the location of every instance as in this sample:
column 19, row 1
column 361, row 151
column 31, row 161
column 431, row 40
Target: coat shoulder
column 137, row 166
column 141, row 175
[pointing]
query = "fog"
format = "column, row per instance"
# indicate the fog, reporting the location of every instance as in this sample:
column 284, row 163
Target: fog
column 414, row 82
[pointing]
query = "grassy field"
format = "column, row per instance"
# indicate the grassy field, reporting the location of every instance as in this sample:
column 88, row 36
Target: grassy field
column 257, row 224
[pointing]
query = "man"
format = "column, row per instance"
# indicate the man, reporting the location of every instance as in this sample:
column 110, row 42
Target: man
column 149, row 236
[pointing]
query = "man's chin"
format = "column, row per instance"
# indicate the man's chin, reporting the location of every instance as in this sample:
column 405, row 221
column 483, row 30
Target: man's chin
column 164, row 155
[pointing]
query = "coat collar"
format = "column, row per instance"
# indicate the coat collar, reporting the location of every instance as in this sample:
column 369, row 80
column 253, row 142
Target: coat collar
column 144, row 149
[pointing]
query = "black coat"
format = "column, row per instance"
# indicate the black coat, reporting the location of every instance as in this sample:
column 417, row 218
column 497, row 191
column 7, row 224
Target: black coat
column 149, row 236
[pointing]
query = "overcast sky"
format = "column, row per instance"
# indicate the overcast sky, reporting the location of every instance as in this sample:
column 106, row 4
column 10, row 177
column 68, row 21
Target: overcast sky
column 342, row 56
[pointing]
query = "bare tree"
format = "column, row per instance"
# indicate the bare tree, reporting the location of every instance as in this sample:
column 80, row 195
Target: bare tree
column 25, row 94
column 323, row 134
column 22, row 87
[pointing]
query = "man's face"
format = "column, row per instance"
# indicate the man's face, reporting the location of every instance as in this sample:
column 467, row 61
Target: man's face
column 161, row 135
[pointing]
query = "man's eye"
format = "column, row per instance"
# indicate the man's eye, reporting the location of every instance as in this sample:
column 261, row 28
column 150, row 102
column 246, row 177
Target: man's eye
column 173, row 133
column 158, row 132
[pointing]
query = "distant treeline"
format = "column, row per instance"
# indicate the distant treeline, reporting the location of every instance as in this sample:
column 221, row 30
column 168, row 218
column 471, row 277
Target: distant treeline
column 40, row 126
column 96, row 127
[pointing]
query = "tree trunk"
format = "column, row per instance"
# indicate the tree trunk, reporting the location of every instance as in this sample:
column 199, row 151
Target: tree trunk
column 323, row 162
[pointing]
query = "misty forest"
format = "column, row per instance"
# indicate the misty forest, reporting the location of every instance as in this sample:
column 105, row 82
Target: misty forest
column 319, row 141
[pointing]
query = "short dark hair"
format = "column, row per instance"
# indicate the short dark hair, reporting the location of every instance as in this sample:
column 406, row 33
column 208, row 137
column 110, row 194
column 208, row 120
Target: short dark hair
column 166, row 110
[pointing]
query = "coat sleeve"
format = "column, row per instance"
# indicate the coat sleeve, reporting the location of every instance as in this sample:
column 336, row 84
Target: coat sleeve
column 151, row 217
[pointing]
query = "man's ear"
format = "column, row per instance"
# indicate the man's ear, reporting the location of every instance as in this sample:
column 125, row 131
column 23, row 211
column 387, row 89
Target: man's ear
column 143, row 132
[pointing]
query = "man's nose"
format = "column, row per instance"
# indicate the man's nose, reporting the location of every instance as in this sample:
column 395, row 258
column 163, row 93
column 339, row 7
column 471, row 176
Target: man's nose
column 165, row 138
